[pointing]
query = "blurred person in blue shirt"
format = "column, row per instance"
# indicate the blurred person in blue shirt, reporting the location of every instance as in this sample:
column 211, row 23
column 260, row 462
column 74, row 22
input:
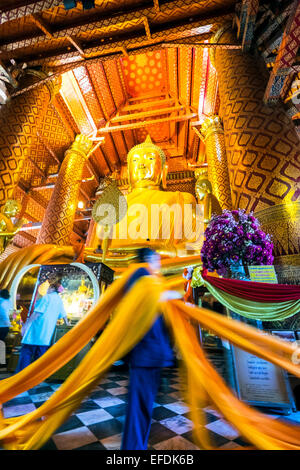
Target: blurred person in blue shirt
column 5, row 307
column 39, row 327
column 145, row 360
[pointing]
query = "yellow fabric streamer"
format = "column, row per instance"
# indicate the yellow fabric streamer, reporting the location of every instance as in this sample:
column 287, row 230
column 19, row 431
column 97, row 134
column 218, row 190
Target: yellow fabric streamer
column 264, row 432
column 122, row 333
column 36, row 254
column 133, row 314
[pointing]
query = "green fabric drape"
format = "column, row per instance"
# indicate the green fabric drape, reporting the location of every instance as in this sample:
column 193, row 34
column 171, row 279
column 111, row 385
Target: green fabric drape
column 253, row 310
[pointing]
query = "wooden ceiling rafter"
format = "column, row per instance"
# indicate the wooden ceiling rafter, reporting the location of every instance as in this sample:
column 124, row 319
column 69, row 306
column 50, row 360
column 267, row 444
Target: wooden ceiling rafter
column 122, row 80
column 166, row 30
column 64, row 114
column 95, row 102
column 41, row 25
column 106, row 159
column 190, row 136
column 184, row 71
column 20, row 9
column 117, row 109
column 272, row 45
column 150, row 104
column 133, row 14
column 89, row 95
column 137, row 44
column 178, row 118
column 144, row 114
column 282, row 72
column 60, row 108
column 57, row 71
column 76, row 43
column 276, row 22
column 173, row 84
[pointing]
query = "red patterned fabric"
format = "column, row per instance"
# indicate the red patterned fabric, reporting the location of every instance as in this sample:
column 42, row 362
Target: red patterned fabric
column 255, row 291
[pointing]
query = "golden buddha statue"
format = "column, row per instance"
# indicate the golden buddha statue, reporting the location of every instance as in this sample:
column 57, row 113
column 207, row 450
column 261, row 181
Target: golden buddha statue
column 8, row 229
column 166, row 221
column 205, row 196
column 82, row 288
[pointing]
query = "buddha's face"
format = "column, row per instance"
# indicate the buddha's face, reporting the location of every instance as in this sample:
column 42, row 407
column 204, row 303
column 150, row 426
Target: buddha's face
column 145, row 168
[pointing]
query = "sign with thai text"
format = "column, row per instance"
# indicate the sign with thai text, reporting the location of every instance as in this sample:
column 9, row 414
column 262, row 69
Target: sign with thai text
column 263, row 274
column 260, row 382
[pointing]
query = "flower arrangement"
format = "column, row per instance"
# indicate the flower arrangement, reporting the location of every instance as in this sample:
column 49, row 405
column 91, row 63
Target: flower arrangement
column 235, row 237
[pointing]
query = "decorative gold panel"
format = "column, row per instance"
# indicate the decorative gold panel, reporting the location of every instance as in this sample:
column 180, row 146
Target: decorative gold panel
column 19, row 121
column 185, row 78
column 145, row 73
column 198, row 72
column 114, row 80
column 279, row 221
column 98, row 76
column 72, row 95
column 212, row 131
column 90, row 97
column 262, row 146
column 59, row 217
column 159, row 133
column 210, row 101
column 172, row 55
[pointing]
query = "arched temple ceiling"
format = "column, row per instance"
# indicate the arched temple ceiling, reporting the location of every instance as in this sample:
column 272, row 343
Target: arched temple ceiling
column 131, row 68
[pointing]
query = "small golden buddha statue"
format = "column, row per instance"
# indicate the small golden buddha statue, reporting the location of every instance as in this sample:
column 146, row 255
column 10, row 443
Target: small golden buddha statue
column 166, row 221
column 82, row 288
column 205, row 196
column 8, row 229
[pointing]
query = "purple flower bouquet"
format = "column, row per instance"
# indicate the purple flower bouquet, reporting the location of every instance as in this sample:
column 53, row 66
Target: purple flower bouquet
column 235, row 237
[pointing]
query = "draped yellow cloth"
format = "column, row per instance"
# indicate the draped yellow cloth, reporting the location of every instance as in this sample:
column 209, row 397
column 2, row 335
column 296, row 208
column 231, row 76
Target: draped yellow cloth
column 205, row 386
column 36, row 254
column 133, row 314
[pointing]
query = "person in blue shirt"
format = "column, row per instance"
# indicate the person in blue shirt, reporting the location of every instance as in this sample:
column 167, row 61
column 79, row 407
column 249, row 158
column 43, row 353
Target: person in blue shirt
column 145, row 360
column 5, row 307
column 40, row 326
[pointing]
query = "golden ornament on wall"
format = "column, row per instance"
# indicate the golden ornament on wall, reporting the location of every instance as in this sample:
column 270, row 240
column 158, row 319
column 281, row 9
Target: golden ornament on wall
column 8, row 228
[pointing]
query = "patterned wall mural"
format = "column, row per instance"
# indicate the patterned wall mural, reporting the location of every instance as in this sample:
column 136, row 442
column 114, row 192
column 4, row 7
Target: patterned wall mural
column 261, row 143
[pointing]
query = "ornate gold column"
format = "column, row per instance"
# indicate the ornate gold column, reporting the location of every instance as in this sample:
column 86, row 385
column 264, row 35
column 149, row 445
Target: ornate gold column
column 213, row 135
column 19, row 120
column 60, row 213
column 262, row 146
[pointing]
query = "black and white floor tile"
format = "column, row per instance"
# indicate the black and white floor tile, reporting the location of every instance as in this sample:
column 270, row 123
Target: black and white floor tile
column 98, row 422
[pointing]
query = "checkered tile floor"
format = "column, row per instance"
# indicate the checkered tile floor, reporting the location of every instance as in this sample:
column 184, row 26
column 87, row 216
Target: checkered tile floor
column 98, row 423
